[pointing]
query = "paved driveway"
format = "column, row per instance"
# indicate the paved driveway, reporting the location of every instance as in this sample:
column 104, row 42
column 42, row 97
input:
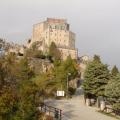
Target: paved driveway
column 75, row 109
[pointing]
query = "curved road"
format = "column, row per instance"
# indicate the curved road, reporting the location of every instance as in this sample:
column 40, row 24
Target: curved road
column 75, row 109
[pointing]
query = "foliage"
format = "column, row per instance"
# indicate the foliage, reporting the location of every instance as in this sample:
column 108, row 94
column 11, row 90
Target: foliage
column 34, row 52
column 56, row 78
column 112, row 92
column 54, row 52
column 17, row 93
column 70, row 66
column 21, row 90
column 96, row 77
column 46, row 84
column 28, row 101
column 25, row 72
column 8, row 102
column 96, row 58
column 8, row 76
column 61, row 71
column 8, row 70
column 114, row 71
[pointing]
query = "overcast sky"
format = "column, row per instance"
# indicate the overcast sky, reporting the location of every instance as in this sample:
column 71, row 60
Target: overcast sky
column 95, row 22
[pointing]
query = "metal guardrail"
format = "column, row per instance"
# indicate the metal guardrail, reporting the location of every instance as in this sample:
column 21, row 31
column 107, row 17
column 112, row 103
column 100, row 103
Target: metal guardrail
column 51, row 111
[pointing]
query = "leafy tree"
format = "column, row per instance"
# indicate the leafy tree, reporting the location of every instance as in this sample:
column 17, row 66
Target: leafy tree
column 8, row 70
column 56, row 78
column 112, row 92
column 28, row 101
column 8, row 78
column 2, row 73
column 70, row 66
column 114, row 71
column 54, row 52
column 21, row 90
column 61, row 71
column 25, row 72
column 95, row 79
column 46, row 84
column 8, row 103
column 17, row 93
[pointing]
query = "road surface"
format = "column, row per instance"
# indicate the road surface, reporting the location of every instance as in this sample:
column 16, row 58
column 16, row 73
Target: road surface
column 75, row 109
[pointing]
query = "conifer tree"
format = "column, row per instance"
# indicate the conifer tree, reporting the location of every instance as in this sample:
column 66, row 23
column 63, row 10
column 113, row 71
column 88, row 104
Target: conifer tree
column 112, row 92
column 95, row 78
column 97, row 58
column 114, row 71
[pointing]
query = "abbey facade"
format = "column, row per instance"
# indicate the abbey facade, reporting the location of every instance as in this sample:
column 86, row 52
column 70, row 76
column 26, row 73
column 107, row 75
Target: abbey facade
column 57, row 31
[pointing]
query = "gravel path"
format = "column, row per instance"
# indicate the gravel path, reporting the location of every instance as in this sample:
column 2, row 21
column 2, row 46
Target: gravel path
column 75, row 109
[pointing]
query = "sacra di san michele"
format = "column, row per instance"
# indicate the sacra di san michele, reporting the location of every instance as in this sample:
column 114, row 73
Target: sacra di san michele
column 57, row 31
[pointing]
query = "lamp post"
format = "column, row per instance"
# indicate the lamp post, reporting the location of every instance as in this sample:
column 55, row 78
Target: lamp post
column 67, row 84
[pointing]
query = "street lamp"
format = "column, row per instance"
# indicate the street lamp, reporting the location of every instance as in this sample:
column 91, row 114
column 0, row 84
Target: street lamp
column 67, row 84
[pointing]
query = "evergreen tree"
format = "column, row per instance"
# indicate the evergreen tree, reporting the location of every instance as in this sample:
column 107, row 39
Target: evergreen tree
column 97, row 58
column 114, row 71
column 95, row 79
column 112, row 92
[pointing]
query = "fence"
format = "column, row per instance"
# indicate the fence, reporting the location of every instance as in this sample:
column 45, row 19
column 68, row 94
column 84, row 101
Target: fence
column 52, row 111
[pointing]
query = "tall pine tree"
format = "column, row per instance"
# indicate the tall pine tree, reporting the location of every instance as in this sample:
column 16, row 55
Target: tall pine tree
column 114, row 71
column 112, row 92
column 95, row 78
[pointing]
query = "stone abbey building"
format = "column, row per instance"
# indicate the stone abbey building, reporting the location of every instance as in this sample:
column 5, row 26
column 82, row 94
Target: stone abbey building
column 57, row 31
